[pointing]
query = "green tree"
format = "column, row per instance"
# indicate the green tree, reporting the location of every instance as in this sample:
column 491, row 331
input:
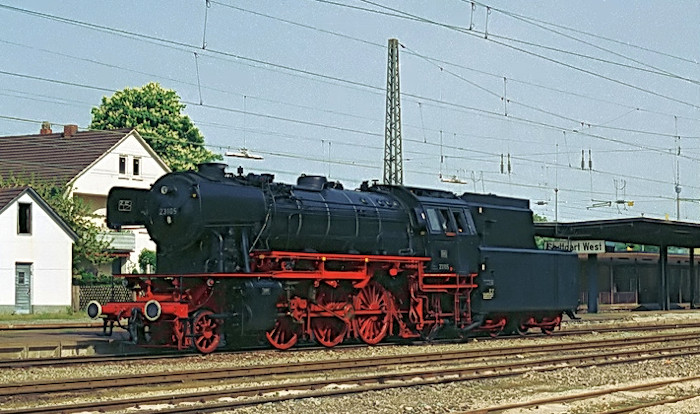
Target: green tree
column 156, row 113
column 88, row 250
column 147, row 259
column 538, row 219
column 539, row 241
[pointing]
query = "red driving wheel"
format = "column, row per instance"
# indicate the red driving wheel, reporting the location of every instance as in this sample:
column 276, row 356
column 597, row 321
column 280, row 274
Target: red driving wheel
column 371, row 313
column 284, row 334
column 206, row 331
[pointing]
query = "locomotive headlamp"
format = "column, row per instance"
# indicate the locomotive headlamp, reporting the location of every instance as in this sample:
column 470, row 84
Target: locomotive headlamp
column 152, row 310
column 94, row 309
column 164, row 189
column 210, row 282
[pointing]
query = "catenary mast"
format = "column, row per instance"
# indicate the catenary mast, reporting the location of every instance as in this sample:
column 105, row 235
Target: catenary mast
column 393, row 158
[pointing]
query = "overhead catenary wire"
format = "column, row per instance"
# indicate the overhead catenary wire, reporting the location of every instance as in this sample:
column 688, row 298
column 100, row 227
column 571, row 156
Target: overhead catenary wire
column 401, row 14
column 133, row 35
column 455, row 108
column 291, row 120
column 330, row 126
column 444, row 62
column 179, row 45
column 358, row 164
column 593, row 35
column 375, row 167
column 426, row 100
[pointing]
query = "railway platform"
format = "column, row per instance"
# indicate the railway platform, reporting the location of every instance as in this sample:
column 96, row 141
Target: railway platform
column 51, row 339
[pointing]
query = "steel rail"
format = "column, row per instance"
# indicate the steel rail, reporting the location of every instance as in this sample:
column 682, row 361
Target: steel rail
column 651, row 404
column 116, row 358
column 353, row 385
column 593, row 394
column 462, row 356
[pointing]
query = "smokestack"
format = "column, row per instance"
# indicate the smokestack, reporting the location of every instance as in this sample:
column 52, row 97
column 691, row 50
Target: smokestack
column 69, row 130
column 45, row 128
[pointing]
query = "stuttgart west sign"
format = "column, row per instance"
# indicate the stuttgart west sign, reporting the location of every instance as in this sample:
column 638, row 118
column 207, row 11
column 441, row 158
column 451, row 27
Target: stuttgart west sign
column 578, row 246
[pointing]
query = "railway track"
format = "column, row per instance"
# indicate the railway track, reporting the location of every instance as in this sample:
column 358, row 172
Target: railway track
column 443, row 368
column 634, row 328
column 112, row 358
column 594, row 394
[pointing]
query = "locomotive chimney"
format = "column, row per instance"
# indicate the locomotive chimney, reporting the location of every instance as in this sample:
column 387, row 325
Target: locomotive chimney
column 212, row 170
column 69, row 130
column 45, row 128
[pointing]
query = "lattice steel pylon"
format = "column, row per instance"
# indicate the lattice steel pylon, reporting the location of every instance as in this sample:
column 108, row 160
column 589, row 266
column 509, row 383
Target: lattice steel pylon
column 393, row 158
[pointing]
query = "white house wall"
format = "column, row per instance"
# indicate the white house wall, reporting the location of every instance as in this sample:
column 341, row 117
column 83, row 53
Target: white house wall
column 95, row 183
column 47, row 248
column 104, row 174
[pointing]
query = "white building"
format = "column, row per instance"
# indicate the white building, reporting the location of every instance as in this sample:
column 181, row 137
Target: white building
column 35, row 254
column 90, row 163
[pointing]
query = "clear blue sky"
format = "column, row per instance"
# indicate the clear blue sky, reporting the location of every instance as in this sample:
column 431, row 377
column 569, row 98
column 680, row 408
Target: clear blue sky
column 302, row 83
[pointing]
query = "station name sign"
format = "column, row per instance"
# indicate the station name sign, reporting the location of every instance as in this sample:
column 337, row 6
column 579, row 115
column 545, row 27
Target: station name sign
column 578, row 246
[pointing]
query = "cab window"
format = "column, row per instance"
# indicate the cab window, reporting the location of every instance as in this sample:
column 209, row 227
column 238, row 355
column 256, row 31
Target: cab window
column 435, row 221
column 440, row 220
column 464, row 222
column 445, row 220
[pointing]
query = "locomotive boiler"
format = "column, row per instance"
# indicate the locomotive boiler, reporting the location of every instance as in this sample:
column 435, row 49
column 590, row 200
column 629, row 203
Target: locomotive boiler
column 242, row 257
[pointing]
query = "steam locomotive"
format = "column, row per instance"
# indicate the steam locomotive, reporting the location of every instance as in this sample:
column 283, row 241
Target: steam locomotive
column 242, row 258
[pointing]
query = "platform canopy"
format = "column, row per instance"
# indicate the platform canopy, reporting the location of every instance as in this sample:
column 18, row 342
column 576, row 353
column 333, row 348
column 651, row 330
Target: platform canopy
column 642, row 230
column 639, row 230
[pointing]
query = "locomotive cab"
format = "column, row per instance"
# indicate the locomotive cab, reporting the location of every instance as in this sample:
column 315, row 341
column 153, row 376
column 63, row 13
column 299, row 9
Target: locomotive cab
column 451, row 238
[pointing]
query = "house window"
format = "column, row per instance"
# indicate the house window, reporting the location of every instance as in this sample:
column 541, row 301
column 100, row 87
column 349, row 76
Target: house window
column 122, row 164
column 137, row 167
column 24, row 222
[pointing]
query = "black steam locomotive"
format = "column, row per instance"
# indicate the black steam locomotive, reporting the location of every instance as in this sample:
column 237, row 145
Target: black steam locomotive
column 241, row 257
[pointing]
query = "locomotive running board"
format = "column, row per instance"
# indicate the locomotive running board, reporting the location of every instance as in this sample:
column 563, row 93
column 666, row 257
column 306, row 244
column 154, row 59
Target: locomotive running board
column 272, row 264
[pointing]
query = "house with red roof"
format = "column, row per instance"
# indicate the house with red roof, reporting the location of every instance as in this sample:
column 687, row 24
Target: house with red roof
column 89, row 163
column 35, row 254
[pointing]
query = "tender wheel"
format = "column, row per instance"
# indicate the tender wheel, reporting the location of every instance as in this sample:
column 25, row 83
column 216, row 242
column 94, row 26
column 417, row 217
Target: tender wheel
column 521, row 329
column 371, row 316
column 495, row 326
column 284, row 334
column 330, row 331
column 206, row 331
column 549, row 323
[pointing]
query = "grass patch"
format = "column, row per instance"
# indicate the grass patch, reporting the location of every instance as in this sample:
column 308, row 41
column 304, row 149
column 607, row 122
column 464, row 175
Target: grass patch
column 67, row 314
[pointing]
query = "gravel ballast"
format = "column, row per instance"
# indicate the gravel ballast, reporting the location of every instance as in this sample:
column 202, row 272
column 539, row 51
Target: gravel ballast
column 452, row 397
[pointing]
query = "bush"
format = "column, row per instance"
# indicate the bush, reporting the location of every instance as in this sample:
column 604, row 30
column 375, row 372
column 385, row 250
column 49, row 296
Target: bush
column 85, row 278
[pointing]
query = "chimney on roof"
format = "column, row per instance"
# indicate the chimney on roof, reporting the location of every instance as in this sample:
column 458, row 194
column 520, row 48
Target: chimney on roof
column 45, row 128
column 69, row 130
